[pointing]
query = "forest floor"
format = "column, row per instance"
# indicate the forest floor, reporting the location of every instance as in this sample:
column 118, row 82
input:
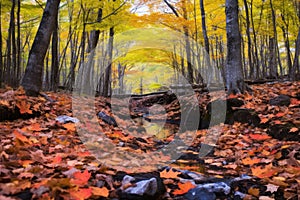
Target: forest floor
column 46, row 156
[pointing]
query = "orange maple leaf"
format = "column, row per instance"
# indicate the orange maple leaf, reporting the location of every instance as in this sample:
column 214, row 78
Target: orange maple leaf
column 35, row 127
column 265, row 172
column 264, row 120
column 81, row 194
column 19, row 136
column 24, row 107
column 81, row 178
column 232, row 96
column 169, row 174
column 103, row 192
column 259, row 137
column 280, row 114
column 57, row 160
column 69, row 126
column 248, row 96
column 184, row 188
column 249, row 161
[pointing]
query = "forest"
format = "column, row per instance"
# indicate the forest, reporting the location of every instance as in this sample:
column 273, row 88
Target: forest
column 171, row 99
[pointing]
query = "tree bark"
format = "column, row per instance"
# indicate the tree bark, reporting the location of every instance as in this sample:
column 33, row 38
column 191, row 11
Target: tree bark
column 107, row 76
column 296, row 67
column 54, row 64
column 234, row 75
column 32, row 80
column 1, row 60
column 249, row 39
column 18, row 41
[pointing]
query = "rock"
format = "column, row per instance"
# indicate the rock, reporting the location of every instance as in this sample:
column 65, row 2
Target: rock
column 146, row 187
column 142, row 186
column 281, row 100
column 218, row 187
column 199, row 194
column 107, row 119
column 282, row 132
column 65, row 119
column 246, row 116
column 234, row 103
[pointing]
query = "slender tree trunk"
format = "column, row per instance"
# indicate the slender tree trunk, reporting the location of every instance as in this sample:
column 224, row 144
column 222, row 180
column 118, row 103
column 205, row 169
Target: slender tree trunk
column 296, row 66
column 249, row 39
column 19, row 54
column 32, row 80
column 13, row 77
column 107, row 76
column 204, row 32
column 1, row 59
column 190, row 75
column 54, row 64
column 234, row 74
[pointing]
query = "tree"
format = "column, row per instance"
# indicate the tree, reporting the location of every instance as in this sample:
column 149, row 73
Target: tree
column 32, row 80
column 234, row 74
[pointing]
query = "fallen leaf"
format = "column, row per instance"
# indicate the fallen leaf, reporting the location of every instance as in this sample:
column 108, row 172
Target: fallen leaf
column 264, row 120
column 81, row 194
column 259, row 137
column 169, row 174
column 280, row 114
column 57, row 160
column 103, row 192
column 69, row 126
column 294, row 129
column 272, row 188
column 81, row 178
column 184, row 188
column 249, row 161
column 253, row 191
column 265, row 172
column 19, row 136
column 24, row 107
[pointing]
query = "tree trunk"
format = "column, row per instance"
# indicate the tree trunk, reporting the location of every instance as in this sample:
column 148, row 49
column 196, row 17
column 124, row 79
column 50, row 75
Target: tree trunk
column 206, row 41
column 249, row 39
column 1, row 60
column 234, row 75
column 107, row 76
column 296, row 67
column 54, row 64
column 32, row 80
column 190, row 75
column 13, row 77
column 18, row 75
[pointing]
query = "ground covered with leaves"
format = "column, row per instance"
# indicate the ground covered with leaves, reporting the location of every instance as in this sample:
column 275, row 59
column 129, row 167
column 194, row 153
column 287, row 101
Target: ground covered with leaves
column 46, row 155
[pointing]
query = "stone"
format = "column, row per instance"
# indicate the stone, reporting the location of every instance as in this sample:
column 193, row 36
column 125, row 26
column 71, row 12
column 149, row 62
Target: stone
column 280, row 100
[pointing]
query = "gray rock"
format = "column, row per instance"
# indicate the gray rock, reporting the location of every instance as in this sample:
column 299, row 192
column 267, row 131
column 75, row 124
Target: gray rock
column 64, row 119
column 281, row 100
column 145, row 187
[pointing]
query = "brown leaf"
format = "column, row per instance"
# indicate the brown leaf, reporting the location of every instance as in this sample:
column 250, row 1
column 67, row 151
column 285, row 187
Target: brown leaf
column 253, row 191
